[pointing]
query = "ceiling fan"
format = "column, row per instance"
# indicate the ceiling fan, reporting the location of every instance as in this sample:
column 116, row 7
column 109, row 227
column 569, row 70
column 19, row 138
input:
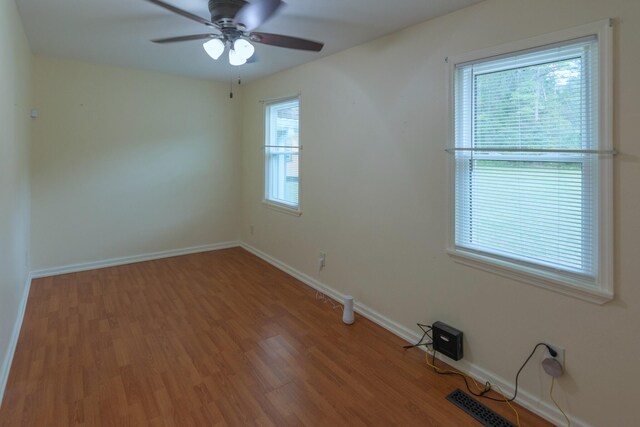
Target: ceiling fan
column 232, row 24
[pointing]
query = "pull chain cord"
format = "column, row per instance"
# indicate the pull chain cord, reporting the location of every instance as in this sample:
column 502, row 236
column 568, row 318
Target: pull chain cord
column 231, row 86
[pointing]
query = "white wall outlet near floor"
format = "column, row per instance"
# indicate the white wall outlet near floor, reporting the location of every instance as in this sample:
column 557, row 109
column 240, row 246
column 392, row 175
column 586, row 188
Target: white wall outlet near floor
column 251, row 229
column 322, row 260
column 559, row 350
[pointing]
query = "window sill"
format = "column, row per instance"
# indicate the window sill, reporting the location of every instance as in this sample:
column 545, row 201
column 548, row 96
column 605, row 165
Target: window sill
column 545, row 280
column 282, row 208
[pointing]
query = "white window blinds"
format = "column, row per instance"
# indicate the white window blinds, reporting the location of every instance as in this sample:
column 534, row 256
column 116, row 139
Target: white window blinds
column 282, row 153
column 526, row 180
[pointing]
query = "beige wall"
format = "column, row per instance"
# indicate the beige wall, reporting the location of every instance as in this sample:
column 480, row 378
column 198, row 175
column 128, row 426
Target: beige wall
column 15, row 99
column 374, row 193
column 127, row 162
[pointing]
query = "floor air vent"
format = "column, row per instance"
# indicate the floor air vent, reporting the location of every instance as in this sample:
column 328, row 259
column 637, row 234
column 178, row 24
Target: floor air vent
column 477, row 410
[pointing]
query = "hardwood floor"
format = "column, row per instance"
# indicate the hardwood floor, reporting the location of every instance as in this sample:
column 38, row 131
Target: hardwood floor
column 213, row 339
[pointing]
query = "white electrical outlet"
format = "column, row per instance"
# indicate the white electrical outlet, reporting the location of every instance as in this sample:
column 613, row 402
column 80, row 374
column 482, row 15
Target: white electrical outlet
column 322, row 260
column 559, row 350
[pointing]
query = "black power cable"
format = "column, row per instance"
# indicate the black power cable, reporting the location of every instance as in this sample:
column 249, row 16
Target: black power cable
column 552, row 352
column 487, row 387
column 426, row 329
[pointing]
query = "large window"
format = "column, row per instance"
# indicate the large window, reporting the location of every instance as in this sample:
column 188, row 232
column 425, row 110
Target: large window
column 531, row 181
column 282, row 154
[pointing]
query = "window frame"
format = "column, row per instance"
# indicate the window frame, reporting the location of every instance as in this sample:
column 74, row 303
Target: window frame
column 266, row 201
column 530, row 274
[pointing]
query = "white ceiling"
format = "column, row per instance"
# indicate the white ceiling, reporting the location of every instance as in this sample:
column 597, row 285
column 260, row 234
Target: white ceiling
column 117, row 32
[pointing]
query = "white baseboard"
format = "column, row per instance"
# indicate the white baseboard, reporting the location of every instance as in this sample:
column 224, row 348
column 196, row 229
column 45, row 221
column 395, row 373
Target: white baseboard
column 93, row 265
column 15, row 334
column 525, row 399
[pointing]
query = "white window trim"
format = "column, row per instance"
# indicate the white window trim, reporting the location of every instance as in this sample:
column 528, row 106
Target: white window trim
column 271, row 204
column 534, row 276
column 280, row 207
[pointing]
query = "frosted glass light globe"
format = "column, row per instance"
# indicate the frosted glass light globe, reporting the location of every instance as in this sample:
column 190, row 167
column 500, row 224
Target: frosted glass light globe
column 243, row 48
column 236, row 59
column 214, row 48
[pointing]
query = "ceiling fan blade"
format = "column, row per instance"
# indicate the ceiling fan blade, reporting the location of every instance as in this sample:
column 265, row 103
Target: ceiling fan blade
column 182, row 12
column 286, row 41
column 185, row 38
column 254, row 14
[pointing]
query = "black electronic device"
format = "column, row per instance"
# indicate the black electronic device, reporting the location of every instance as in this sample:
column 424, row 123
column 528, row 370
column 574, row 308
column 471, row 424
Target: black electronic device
column 447, row 340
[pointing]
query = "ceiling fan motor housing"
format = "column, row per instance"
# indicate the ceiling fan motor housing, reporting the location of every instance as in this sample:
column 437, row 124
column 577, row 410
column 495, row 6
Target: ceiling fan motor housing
column 223, row 12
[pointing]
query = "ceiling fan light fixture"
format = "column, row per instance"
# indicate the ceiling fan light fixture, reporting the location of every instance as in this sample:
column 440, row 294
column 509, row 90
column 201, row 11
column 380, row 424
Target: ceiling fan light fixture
column 214, row 48
column 243, row 48
column 236, row 59
column 233, row 22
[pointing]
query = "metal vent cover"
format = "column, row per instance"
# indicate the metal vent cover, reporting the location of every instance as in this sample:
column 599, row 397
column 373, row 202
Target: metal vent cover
column 477, row 410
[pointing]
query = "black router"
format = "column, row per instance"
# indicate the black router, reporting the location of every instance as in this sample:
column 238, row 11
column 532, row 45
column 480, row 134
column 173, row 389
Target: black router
column 447, row 340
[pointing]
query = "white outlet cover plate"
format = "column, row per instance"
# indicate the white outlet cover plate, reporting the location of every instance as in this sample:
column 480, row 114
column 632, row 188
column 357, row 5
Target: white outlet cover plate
column 560, row 357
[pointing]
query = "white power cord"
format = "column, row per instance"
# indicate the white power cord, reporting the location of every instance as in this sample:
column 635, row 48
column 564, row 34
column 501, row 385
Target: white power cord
column 325, row 299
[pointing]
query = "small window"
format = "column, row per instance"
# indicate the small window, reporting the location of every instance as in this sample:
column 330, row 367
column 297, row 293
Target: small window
column 532, row 187
column 282, row 154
